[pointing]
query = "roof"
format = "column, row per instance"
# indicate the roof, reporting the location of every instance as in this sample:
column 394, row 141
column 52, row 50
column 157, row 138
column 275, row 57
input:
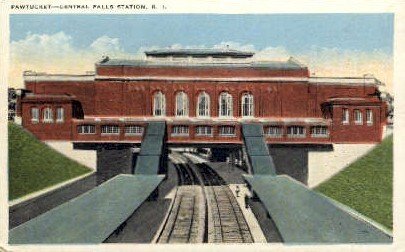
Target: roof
column 91, row 217
column 276, row 65
column 215, row 53
column 37, row 77
column 47, row 97
column 345, row 80
column 305, row 216
column 353, row 100
column 148, row 161
column 257, row 150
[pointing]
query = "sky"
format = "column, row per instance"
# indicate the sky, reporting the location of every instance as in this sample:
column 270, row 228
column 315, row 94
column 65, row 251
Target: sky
column 330, row 44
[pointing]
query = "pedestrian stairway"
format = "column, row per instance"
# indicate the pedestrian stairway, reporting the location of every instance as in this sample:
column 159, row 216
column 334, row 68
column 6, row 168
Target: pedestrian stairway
column 300, row 214
column 257, row 150
column 150, row 158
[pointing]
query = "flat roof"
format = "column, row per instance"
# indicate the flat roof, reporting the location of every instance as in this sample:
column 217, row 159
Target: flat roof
column 305, row 216
column 215, row 53
column 91, row 217
column 277, row 65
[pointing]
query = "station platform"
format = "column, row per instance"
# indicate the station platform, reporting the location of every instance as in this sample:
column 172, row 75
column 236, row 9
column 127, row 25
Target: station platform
column 304, row 216
column 91, row 217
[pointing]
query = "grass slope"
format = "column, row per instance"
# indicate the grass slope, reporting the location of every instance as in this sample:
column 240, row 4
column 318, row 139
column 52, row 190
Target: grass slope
column 34, row 166
column 366, row 185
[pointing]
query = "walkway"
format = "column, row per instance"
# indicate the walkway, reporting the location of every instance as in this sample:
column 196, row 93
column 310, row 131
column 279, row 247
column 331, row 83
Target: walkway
column 91, row 217
column 304, row 216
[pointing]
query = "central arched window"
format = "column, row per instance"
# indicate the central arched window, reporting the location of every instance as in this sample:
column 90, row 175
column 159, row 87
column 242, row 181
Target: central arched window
column 225, row 105
column 181, row 104
column 159, row 104
column 203, row 107
column 247, row 105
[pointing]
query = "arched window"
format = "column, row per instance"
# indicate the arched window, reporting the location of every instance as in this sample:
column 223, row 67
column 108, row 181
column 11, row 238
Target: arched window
column 159, row 104
column 203, row 107
column 247, row 105
column 225, row 105
column 181, row 104
column 48, row 115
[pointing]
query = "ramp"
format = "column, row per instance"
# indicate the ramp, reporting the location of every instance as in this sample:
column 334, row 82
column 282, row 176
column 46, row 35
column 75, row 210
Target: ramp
column 304, row 216
column 150, row 159
column 257, row 150
column 91, row 217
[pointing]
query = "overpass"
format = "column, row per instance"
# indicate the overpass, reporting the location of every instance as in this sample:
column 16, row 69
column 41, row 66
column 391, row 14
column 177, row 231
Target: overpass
column 300, row 214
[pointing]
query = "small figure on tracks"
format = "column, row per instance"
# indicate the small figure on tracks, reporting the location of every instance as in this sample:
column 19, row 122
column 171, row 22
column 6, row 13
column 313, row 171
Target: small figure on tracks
column 237, row 190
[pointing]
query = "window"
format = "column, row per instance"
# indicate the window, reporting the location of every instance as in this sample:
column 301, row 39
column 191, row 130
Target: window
column 34, row 115
column 358, row 117
column 180, row 130
column 274, row 131
column 369, row 117
column 345, row 116
column 203, row 107
column 319, row 131
column 203, row 131
column 133, row 130
column 48, row 115
column 225, row 105
column 247, row 105
column 296, row 131
column 227, row 130
column 60, row 115
column 86, row 129
column 110, row 129
column 181, row 104
column 159, row 104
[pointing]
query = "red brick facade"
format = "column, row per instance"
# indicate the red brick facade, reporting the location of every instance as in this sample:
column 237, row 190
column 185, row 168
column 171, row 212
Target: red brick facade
column 122, row 95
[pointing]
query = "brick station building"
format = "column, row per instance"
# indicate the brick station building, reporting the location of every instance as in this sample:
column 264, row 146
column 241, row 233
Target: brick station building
column 203, row 95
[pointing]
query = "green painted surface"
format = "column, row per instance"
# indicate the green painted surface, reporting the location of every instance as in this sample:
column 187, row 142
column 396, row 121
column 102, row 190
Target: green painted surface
column 148, row 161
column 263, row 165
column 156, row 128
column 91, row 217
column 366, row 185
column 152, row 145
column 256, row 146
column 257, row 150
column 147, row 165
column 304, row 216
column 34, row 166
column 252, row 129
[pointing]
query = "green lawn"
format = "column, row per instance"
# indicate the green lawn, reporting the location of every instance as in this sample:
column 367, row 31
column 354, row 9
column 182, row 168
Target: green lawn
column 34, row 166
column 366, row 185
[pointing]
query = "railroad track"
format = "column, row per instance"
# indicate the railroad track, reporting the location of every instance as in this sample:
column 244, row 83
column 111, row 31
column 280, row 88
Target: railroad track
column 226, row 223
column 186, row 221
column 203, row 193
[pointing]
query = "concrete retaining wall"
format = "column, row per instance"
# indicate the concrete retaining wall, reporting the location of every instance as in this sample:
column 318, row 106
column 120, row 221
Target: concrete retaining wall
column 323, row 165
column 111, row 162
column 84, row 157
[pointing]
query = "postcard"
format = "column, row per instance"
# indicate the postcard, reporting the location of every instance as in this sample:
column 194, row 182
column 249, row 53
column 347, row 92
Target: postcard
column 213, row 125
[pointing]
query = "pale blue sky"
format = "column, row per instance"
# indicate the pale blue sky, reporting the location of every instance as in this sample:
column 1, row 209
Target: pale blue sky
column 295, row 32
